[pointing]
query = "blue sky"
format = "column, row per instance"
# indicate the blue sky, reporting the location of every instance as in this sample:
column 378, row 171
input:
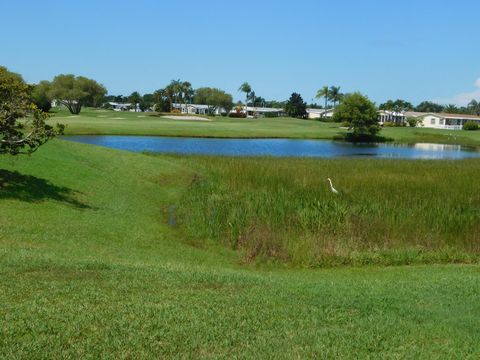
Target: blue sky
column 414, row 50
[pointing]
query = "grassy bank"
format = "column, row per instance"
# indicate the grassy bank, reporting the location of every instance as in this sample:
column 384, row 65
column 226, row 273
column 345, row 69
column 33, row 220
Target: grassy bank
column 387, row 212
column 103, row 122
column 91, row 268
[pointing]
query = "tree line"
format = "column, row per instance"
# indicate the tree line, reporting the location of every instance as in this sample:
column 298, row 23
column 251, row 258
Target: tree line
column 473, row 107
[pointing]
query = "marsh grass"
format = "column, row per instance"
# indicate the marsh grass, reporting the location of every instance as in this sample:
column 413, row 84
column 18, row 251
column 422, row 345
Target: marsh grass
column 387, row 212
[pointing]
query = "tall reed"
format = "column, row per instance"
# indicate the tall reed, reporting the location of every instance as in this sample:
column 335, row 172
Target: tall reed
column 387, row 211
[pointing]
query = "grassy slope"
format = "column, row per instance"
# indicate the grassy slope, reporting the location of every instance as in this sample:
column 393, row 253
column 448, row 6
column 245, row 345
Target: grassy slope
column 101, row 122
column 90, row 268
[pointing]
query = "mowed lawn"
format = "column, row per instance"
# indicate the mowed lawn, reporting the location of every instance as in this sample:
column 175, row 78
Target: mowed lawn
column 95, row 265
column 107, row 122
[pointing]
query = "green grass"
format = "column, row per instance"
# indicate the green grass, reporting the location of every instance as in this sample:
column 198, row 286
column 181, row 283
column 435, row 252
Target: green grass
column 103, row 122
column 91, row 268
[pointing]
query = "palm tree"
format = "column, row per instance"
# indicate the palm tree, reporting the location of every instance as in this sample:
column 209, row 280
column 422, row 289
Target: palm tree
column 335, row 95
column 451, row 109
column 325, row 93
column 187, row 91
column 474, row 107
column 247, row 89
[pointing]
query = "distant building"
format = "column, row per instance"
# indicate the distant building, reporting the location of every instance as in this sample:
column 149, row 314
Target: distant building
column 255, row 112
column 443, row 121
column 385, row 116
column 320, row 113
column 198, row 109
column 121, row 106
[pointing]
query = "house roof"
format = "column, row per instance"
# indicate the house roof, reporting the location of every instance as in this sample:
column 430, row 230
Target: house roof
column 319, row 111
column 263, row 109
column 442, row 115
column 119, row 104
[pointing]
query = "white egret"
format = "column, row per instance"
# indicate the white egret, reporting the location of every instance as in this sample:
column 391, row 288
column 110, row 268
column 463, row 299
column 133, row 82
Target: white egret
column 331, row 186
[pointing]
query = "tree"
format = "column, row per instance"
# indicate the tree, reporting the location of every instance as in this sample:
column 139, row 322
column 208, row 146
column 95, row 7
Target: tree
column 40, row 96
column 360, row 114
column 162, row 100
column 135, row 98
column 474, row 107
column 451, row 109
column 296, row 107
column 75, row 92
column 335, row 95
column 325, row 93
column 26, row 136
column 428, row 106
column 214, row 98
column 187, row 92
column 147, row 102
column 247, row 89
column 396, row 106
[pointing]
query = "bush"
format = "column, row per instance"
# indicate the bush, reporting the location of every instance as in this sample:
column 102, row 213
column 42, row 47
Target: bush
column 271, row 115
column 240, row 115
column 470, row 125
column 413, row 121
column 175, row 111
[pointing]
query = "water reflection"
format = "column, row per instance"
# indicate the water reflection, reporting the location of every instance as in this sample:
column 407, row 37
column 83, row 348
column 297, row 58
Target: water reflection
column 277, row 147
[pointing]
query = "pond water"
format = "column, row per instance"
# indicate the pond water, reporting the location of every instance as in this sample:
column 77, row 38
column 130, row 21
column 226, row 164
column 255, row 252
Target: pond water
column 276, row 147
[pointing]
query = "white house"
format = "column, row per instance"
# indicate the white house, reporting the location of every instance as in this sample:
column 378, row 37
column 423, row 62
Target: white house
column 385, row 116
column 443, row 121
column 196, row 109
column 261, row 111
column 320, row 113
column 120, row 106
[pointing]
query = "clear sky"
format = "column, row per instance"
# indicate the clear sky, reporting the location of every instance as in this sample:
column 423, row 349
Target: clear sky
column 410, row 49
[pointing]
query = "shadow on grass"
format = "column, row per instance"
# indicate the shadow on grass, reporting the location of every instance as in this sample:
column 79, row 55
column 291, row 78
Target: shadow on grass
column 14, row 185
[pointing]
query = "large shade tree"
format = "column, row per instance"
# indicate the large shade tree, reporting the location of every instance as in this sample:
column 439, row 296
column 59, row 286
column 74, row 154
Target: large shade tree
column 76, row 91
column 360, row 114
column 214, row 98
column 22, row 124
column 41, row 97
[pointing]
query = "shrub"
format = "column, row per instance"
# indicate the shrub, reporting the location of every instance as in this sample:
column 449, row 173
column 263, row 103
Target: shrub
column 271, row 115
column 175, row 111
column 237, row 115
column 470, row 125
column 413, row 121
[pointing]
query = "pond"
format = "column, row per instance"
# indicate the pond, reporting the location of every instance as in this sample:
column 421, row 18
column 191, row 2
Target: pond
column 276, row 147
